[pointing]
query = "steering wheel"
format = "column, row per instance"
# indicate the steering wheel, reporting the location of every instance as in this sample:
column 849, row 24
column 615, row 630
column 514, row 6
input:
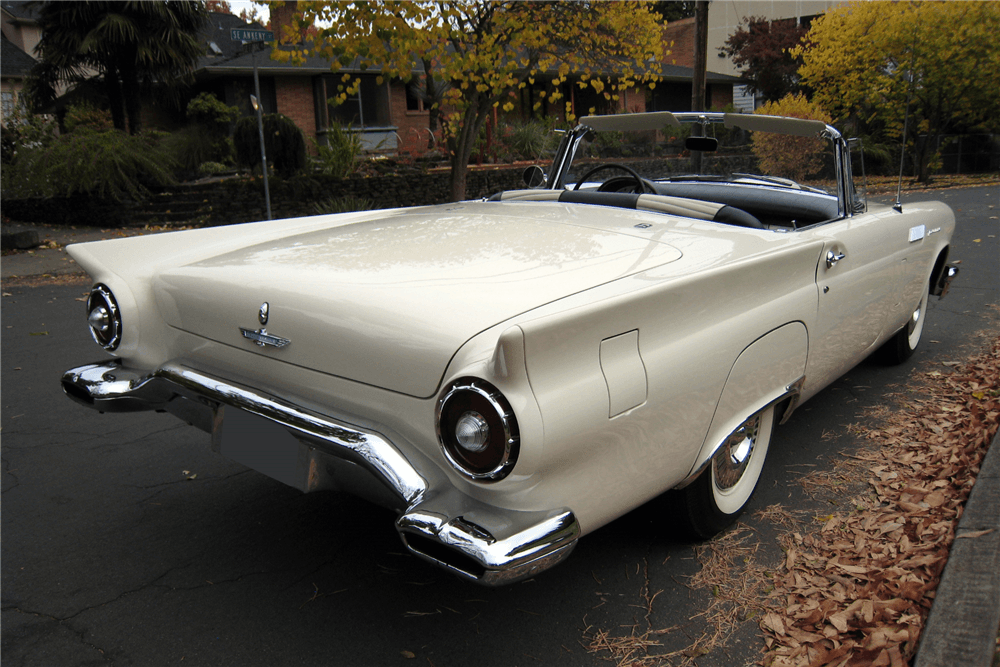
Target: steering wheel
column 611, row 165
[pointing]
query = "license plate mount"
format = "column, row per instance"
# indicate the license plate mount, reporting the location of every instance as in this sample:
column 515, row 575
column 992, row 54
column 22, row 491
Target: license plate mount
column 261, row 444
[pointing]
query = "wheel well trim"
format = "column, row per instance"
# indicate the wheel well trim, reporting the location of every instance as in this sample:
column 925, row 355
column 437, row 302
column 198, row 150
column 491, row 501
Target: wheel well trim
column 784, row 404
column 767, row 372
column 940, row 276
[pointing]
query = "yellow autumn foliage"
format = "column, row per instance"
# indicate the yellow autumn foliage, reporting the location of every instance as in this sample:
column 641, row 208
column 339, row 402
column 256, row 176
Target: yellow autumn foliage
column 871, row 61
column 482, row 48
column 783, row 155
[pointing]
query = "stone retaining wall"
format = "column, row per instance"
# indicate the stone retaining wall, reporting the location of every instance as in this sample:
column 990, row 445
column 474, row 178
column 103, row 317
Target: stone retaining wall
column 236, row 200
column 240, row 200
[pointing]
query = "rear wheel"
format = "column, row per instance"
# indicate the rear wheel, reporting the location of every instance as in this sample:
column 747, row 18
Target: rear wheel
column 714, row 500
column 904, row 342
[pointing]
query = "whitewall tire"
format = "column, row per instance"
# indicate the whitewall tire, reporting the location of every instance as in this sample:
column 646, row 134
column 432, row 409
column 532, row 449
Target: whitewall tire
column 721, row 493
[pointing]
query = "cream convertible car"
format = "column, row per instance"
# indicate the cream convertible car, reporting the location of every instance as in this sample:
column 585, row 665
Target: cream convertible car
column 511, row 374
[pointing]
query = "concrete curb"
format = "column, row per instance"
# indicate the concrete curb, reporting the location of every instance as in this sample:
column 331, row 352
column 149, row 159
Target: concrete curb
column 962, row 626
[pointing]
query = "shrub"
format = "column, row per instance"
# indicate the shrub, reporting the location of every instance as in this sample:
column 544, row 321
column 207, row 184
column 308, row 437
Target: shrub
column 529, row 140
column 283, row 141
column 346, row 204
column 194, row 145
column 206, row 138
column 339, row 155
column 212, row 168
column 108, row 165
column 207, row 110
column 794, row 157
column 84, row 116
column 25, row 130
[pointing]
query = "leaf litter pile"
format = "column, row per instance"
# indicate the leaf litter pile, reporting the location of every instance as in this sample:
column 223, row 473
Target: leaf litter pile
column 856, row 589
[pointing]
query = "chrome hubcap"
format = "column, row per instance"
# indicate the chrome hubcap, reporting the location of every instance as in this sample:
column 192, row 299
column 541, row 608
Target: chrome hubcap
column 733, row 457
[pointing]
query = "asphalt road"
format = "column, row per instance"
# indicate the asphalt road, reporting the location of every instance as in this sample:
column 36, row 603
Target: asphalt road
column 126, row 541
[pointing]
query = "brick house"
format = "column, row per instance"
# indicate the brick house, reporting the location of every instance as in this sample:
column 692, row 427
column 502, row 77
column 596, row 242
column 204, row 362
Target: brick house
column 379, row 112
column 674, row 92
column 387, row 115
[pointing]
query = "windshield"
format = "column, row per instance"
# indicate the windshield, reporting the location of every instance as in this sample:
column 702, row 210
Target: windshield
column 664, row 148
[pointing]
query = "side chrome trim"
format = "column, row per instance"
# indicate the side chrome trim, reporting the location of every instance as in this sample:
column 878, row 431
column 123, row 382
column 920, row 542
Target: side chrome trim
column 486, row 544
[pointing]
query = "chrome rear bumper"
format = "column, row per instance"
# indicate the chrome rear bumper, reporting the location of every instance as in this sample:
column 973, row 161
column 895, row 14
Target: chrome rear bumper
column 485, row 544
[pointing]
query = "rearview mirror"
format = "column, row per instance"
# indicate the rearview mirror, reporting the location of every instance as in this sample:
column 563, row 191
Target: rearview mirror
column 703, row 144
column 533, row 176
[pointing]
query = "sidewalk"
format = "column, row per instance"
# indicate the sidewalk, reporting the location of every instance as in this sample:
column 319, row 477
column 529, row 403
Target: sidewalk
column 49, row 257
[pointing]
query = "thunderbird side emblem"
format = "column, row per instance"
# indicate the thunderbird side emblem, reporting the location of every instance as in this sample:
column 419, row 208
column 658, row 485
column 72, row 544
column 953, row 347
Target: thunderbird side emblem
column 260, row 336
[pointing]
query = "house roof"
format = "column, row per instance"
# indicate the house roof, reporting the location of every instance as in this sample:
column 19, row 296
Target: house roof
column 679, row 73
column 231, row 57
column 23, row 10
column 14, row 63
column 228, row 56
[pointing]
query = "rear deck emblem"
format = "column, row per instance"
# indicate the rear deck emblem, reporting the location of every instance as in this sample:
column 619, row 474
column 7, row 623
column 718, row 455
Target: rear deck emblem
column 262, row 313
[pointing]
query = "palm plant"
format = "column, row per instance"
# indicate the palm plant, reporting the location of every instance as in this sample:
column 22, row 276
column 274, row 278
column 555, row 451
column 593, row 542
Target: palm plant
column 125, row 43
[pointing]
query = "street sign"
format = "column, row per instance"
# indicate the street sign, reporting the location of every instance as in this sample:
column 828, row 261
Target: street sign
column 243, row 35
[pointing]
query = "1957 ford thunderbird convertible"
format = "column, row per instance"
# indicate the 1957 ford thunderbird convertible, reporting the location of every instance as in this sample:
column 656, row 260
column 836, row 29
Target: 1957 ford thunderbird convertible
column 511, row 374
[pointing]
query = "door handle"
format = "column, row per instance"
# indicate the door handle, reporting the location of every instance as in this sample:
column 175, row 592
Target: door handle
column 832, row 258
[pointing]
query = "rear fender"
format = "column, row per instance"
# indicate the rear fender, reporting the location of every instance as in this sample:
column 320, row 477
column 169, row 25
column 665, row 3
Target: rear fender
column 769, row 371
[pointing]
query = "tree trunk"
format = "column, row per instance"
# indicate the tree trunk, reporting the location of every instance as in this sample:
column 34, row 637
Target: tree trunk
column 431, row 100
column 924, row 159
column 113, row 88
column 472, row 121
column 132, row 96
column 459, row 176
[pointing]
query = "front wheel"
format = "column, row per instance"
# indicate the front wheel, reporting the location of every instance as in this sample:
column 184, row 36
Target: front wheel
column 904, row 342
column 714, row 500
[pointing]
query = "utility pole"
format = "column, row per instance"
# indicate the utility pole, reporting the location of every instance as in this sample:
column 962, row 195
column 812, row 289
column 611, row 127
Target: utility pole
column 253, row 38
column 698, row 80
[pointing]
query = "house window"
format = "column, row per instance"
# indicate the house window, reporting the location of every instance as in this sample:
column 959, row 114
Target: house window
column 239, row 89
column 414, row 103
column 9, row 103
column 369, row 107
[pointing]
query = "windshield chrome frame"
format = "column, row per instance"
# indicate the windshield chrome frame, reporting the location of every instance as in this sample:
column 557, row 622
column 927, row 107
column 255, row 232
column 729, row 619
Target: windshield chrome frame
column 847, row 201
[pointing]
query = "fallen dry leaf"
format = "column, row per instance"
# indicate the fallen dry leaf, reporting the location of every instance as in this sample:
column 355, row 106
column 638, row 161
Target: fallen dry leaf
column 856, row 590
column 975, row 533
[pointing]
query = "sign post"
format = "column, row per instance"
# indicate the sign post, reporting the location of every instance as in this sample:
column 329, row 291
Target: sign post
column 248, row 37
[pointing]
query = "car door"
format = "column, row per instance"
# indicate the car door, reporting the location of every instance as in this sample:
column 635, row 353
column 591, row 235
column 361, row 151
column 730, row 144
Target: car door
column 859, row 275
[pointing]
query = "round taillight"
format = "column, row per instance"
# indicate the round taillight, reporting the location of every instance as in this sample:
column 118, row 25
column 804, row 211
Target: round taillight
column 104, row 318
column 477, row 430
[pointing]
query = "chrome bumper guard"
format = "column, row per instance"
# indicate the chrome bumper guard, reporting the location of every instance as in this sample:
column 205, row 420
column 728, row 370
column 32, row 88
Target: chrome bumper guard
column 437, row 522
